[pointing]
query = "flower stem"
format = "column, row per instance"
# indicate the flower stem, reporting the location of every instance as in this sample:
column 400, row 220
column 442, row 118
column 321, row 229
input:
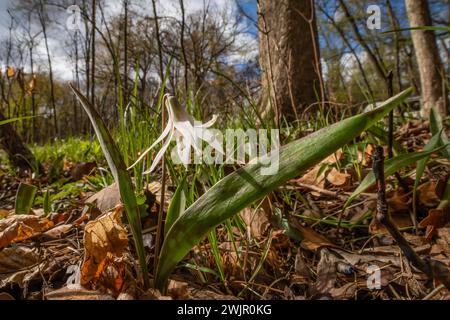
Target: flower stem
column 159, row 229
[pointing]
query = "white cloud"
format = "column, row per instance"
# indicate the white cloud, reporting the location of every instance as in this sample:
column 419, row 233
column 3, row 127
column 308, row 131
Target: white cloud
column 349, row 63
column 58, row 36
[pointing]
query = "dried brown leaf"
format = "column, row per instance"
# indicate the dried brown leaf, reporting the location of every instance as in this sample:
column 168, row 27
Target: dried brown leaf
column 58, row 231
column 338, row 179
column 21, row 227
column 78, row 293
column 79, row 170
column 428, row 194
column 106, row 199
column 105, row 240
column 256, row 221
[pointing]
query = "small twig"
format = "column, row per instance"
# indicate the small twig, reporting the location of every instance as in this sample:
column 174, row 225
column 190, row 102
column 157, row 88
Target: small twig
column 433, row 293
column 328, row 193
column 433, row 269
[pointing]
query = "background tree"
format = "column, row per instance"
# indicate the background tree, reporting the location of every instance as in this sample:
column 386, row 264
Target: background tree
column 289, row 56
column 432, row 79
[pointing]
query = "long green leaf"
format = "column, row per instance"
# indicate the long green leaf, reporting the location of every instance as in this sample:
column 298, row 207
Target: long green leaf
column 390, row 167
column 25, row 198
column 177, row 206
column 15, row 119
column 121, row 176
column 437, row 126
column 241, row 188
column 382, row 135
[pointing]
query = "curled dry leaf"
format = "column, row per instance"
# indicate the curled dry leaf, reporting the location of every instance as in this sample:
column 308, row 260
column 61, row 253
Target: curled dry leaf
column 58, row 231
column 76, row 293
column 16, row 258
column 311, row 239
column 428, row 194
column 178, row 290
column 398, row 201
column 327, row 278
column 82, row 169
column 21, row 227
column 338, row 179
column 315, row 177
column 256, row 221
column 437, row 218
column 441, row 249
column 106, row 199
column 6, row 296
column 105, row 240
column 155, row 189
column 4, row 213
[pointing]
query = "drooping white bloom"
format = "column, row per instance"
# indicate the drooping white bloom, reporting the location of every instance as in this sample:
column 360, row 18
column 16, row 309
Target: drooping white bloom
column 186, row 131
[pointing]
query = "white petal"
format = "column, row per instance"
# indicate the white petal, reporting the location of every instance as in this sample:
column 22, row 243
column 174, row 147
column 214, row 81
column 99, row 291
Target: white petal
column 160, row 154
column 211, row 140
column 209, row 123
column 166, row 131
column 187, row 131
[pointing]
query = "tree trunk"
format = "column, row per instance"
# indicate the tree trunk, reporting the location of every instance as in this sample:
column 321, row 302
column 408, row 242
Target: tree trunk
column 434, row 93
column 93, row 52
column 43, row 22
column 289, row 56
column 18, row 153
column 125, row 53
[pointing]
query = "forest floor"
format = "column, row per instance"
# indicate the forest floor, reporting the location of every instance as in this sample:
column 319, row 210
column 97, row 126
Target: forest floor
column 343, row 253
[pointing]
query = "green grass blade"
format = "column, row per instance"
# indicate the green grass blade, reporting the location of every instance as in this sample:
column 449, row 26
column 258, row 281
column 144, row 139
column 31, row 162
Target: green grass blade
column 177, row 206
column 15, row 119
column 46, row 203
column 390, row 167
column 382, row 135
column 434, row 143
column 121, row 176
column 436, row 126
column 25, row 198
column 241, row 188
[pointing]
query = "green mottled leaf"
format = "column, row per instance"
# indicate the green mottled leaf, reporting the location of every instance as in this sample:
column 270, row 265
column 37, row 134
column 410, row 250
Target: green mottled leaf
column 246, row 185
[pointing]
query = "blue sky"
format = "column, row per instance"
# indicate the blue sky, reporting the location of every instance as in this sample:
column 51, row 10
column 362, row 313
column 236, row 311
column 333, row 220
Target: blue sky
column 249, row 6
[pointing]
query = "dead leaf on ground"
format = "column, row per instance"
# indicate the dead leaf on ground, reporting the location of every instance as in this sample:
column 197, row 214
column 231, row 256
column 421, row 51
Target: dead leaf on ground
column 401, row 220
column 339, row 179
column 106, row 199
column 82, row 169
column 312, row 177
column 105, row 240
column 428, row 194
column 398, row 201
column 441, row 249
column 76, row 293
column 311, row 239
column 437, row 218
column 300, row 266
column 21, row 227
column 6, row 296
column 256, row 221
column 17, row 258
column 327, row 278
column 155, row 188
column 33, row 268
column 58, row 231
column 4, row 213
column 178, row 290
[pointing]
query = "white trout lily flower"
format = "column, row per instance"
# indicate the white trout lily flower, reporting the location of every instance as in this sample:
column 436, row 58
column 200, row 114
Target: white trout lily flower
column 187, row 132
